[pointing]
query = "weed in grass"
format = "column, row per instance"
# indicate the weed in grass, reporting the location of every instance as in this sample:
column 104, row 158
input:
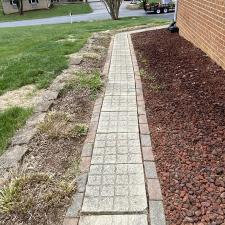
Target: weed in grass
column 10, row 121
column 79, row 130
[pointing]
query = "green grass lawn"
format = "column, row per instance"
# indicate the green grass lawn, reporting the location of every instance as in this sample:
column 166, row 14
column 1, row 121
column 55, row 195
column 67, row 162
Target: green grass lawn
column 10, row 121
column 33, row 55
column 57, row 10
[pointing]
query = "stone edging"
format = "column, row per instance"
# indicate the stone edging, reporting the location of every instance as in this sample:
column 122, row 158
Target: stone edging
column 155, row 200
column 13, row 156
column 73, row 212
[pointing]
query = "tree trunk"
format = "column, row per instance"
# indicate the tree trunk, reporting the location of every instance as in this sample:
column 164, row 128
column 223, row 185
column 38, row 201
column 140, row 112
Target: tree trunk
column 113, row 7
column 21, row 7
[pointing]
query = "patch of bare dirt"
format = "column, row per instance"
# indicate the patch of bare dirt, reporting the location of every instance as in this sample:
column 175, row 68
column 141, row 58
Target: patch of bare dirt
column 184, row 91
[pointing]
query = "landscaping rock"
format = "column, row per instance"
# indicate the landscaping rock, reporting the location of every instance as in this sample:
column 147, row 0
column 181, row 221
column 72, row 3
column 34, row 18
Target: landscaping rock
column 186, row 120
column 23, row 136
column 50, row 95
column 43, row 106
column 35, row 119
column 12, row 157
column 75, row 59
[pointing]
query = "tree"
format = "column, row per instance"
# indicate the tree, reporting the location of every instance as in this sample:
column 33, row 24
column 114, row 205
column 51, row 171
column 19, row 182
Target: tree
column 19, row 4
column 144, row 4
column 113, row 7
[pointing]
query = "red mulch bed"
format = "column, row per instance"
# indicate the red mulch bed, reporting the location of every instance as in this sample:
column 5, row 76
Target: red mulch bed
column 184, row 92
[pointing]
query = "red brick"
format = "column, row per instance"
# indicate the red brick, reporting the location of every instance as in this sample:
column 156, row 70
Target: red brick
column 202, row 22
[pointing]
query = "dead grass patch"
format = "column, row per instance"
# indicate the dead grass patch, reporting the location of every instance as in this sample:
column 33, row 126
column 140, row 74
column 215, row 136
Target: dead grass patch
column 86, row 81
column 34, row 194
column 91, row 55
column 60, row 125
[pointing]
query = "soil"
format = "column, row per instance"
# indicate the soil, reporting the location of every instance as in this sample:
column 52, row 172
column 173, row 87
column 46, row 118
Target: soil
column 52, row 164
column 184, row 93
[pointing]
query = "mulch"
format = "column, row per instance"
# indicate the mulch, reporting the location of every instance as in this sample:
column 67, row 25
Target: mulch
column 184, row 93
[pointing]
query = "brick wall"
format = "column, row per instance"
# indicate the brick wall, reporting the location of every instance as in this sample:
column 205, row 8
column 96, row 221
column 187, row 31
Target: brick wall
column 203, row 23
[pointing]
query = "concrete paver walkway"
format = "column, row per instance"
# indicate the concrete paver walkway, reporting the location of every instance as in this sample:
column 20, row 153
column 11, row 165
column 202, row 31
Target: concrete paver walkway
column 115, row 192
column 118, row 184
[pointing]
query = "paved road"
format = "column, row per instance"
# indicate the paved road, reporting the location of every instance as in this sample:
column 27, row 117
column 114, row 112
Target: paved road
column 99, row 13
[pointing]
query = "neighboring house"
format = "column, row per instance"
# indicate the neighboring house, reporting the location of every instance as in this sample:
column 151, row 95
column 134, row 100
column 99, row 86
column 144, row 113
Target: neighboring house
column 67, row 1
column 10, row 6
column 203, row 23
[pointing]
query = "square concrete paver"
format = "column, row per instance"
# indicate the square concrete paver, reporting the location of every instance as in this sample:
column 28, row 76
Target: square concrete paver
column 120, row 89
column 119, row 104
column 114, row 220
column 118, row 148
column 121, row 122
column 115, row 188
column 121, row 78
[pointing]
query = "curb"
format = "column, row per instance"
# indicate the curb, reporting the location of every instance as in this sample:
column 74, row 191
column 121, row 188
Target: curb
column 73, row 212
column 154, row 195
